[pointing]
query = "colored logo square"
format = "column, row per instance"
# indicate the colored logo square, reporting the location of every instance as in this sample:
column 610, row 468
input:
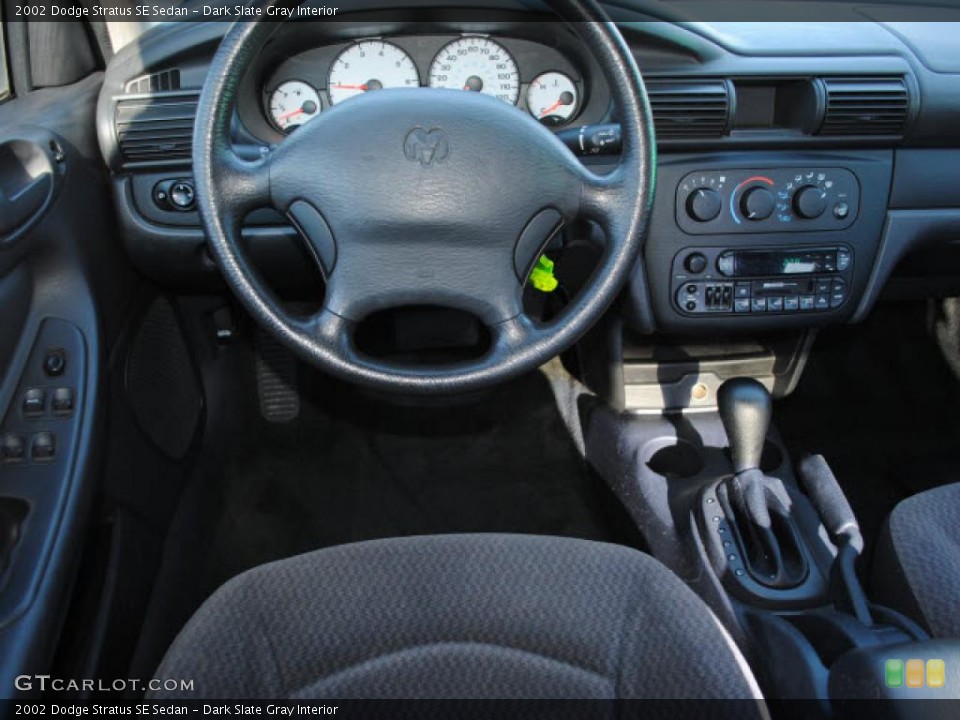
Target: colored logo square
column 894, row 673
column 914, row 673
column 936, row 673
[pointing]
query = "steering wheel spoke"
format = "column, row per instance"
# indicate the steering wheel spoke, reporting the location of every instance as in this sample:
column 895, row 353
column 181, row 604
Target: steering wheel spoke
column 244, row 184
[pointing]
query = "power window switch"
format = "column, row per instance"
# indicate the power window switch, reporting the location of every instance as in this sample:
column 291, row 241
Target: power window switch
column 34, row 402
column 13, row 448
column 62, row 402
column 44, row 446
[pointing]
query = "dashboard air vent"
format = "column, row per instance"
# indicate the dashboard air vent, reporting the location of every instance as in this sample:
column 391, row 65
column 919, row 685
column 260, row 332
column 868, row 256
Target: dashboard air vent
column 689, row 108
column 155, row 82
column 865, row 106
column 157, row 128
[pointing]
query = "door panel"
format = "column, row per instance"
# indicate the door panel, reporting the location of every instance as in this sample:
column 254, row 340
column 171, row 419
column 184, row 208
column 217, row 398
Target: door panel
column 56, row 251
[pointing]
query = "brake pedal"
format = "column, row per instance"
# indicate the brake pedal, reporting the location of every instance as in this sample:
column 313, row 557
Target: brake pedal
column 276, row 380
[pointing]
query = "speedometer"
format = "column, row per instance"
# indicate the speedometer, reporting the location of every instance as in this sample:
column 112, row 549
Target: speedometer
column 370, row 65
column 477, row 64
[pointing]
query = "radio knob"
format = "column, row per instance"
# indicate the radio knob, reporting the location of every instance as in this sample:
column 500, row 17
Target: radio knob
column 809, row 202
column 695, row 263
column 704, row 204
column 757, row 203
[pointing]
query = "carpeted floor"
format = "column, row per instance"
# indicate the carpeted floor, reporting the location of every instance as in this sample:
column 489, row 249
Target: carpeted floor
column 879, row 401
column 353, row 468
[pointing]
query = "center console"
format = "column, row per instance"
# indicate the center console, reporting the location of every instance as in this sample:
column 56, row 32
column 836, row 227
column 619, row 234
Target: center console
column 761, row 241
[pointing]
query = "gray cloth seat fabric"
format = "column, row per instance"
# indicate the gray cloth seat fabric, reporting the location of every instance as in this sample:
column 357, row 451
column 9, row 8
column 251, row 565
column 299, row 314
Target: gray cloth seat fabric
column 460, row 616
column 917, row 562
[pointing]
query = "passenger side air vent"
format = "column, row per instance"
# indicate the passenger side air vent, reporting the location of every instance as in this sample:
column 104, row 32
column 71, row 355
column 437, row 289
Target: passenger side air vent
column 689, row 108
column 865, row 106
column 156, row 128
column 155, row 82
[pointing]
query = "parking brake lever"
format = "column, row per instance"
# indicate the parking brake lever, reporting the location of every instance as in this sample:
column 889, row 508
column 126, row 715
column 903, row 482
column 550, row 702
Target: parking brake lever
column 838, row 518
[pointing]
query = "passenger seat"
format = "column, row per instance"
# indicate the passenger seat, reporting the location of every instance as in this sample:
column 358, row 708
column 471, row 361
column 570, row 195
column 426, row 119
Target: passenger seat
column 917, row 564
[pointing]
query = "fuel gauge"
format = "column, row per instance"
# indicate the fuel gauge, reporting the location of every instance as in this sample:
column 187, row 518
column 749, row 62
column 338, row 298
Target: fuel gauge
column 552, row 98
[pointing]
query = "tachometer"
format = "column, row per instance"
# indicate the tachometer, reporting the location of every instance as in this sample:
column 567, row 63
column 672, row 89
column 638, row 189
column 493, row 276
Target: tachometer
column 477, row 64
column 292, row 104
column 552, row 98
column 370, row 65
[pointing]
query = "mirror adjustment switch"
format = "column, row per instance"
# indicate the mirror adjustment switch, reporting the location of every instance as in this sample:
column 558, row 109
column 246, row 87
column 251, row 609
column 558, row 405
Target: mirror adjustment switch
column 13, row 448
column 44, row 446
column 34, row 402
column 54, row 362
column 62, row 402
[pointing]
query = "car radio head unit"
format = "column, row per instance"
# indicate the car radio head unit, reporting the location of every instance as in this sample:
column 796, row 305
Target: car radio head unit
column 712, row 281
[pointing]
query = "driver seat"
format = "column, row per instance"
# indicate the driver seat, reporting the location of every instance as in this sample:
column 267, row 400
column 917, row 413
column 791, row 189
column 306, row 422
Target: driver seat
column 461, row 616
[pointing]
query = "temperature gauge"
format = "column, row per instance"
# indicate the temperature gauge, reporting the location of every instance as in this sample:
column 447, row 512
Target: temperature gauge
column 552, row 98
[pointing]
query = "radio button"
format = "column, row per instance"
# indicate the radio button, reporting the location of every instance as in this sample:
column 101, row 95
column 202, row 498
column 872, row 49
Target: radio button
column 822, row 302
column 741, row 305
column 759, row 305
column 824, row 286
column 843, row 260
column 775, row 304
column 806, row 302
column 743, row 290
column 726, row 264
column 791, row 304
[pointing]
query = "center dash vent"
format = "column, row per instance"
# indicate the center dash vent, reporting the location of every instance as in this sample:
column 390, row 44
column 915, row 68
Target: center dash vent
column 156, row 128
column 689, row 108
column 865, row 106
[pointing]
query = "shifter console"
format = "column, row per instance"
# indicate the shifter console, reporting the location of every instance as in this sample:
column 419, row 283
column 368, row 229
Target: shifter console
column 750, row 518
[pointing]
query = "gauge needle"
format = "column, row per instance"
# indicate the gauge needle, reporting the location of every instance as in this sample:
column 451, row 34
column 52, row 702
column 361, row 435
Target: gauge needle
column 553, row 107
column 290, row 114
column 565, row 99
column 342, row 86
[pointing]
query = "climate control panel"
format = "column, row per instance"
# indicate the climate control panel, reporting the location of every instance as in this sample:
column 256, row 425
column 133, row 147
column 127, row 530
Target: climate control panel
column 768, row 200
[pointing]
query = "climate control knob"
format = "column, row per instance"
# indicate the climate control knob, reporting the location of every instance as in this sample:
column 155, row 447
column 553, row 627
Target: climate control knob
column 809, row 202
column 757, row 203
column 704, row 204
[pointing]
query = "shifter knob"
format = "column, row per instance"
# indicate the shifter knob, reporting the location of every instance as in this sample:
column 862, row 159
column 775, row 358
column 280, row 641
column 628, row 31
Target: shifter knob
column 745, row 409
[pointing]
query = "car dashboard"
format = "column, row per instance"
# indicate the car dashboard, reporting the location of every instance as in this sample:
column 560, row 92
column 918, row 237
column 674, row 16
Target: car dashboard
column 797, row 165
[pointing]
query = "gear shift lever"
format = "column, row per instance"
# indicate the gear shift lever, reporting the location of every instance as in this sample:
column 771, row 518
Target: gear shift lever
column 757, row 505
column 745, row 410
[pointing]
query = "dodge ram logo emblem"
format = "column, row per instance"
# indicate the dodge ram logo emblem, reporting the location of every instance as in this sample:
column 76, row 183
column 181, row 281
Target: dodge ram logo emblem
column 429, row 147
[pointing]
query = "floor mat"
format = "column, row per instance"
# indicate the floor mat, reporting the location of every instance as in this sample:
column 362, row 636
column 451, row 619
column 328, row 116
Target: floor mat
column 879, row 401
column 352, row 468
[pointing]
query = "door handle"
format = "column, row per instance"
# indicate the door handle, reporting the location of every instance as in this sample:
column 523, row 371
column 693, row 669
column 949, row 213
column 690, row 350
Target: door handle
column 31, row 171
column 18, row 208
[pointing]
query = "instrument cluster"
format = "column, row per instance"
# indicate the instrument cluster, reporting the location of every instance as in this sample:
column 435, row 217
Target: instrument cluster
column 536, row 79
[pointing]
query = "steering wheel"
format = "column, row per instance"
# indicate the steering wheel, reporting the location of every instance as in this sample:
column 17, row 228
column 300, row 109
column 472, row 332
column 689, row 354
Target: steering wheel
column 422, row 196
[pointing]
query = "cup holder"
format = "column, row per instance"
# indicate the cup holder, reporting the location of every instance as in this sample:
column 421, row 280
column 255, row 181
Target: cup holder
column 676, row 459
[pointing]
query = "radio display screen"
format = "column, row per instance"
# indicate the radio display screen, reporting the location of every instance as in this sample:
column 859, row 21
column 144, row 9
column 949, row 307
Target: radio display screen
column 754, row 264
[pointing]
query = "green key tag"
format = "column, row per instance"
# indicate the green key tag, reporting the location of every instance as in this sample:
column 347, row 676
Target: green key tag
column 541, row 277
